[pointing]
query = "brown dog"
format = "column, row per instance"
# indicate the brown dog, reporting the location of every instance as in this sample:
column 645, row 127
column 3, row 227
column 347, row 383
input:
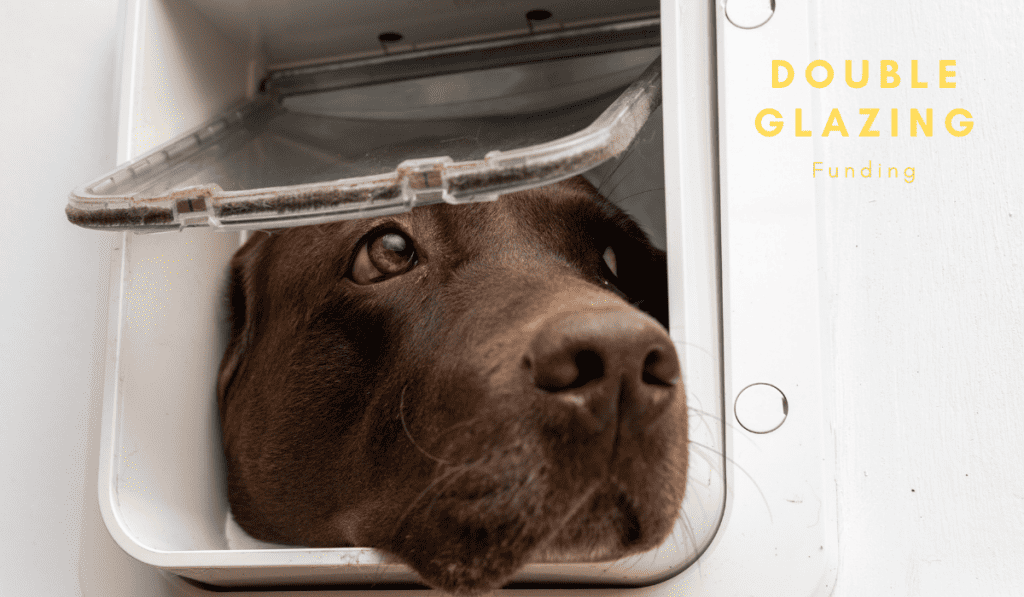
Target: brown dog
column 468, row 388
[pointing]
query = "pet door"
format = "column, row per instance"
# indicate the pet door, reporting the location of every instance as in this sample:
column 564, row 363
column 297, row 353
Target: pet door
column 431, row 106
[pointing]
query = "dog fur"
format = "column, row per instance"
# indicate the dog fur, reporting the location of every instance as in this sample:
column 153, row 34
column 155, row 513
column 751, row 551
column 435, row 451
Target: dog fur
column 469, row 388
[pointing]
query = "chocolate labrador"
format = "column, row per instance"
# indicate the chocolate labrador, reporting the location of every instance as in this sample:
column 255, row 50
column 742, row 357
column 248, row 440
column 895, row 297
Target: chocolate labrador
column 469, row 388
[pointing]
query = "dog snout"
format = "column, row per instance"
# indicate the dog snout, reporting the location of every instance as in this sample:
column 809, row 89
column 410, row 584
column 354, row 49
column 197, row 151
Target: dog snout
column 605, row 366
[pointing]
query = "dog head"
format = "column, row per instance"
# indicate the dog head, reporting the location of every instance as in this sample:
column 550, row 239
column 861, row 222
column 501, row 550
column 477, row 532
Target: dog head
column 468, row 388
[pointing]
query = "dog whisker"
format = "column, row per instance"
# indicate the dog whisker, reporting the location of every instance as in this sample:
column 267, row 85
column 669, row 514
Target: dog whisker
column 611, row 175
column 695, row 496
column 703, row 416
column 689, row 534
column 405, row 427
column 704, row 413
column 444, row 477
column 741, row 469
column 622, row 201
column 474, row 424
column 451, row 475
column 611, row 192
column 712, row 464
column 698, row 347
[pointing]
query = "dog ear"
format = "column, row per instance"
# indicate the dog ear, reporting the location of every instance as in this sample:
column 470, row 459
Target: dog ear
column 643, row 277
column 243, row 310
column 643, row 268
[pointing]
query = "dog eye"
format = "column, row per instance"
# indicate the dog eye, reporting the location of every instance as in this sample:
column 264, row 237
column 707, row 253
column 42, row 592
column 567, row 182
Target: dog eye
column 610, row 273
column 611, row 262
column 383, row 256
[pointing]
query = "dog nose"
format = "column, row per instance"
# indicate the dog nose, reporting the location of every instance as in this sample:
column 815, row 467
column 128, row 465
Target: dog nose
column 605, row 366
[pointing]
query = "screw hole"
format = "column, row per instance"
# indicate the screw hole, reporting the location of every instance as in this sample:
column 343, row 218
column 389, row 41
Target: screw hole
column 538, row 15
column 389, row 36
column 761, row 408
column 749, row 14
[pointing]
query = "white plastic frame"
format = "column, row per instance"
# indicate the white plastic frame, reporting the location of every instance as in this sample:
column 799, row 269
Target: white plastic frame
column 778, row 534
column 160, row 450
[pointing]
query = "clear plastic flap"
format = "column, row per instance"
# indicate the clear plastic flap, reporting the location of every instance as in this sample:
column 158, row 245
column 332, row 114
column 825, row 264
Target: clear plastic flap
column 376, row 149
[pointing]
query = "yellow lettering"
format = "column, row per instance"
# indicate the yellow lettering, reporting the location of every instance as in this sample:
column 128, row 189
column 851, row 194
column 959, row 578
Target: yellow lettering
column 775, row 126
column 965, row 125
column 863, row 74
column 775, row 73
column 800, row 132
column 867, row 131
column 914, row 83
column 889, row 78
column 894, row 128
column 829, row 73
column 868, row 168
column 925, row 123
column 945, row 74
column 835, row 123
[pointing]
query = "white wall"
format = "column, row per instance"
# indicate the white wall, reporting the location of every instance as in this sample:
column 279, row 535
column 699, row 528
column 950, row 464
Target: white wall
column 57, row 130
column 924, row 286
column 927, row 284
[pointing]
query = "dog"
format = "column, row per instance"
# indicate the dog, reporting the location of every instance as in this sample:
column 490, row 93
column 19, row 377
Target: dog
column 469, row 388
